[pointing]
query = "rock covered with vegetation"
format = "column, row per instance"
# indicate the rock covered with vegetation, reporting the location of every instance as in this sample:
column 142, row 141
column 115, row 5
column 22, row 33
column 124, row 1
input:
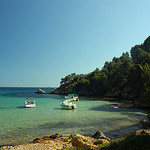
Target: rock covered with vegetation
column 123, row 77
column 135, row 141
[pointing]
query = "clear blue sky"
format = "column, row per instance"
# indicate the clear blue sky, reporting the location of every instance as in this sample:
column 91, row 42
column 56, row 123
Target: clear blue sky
column 42, row 41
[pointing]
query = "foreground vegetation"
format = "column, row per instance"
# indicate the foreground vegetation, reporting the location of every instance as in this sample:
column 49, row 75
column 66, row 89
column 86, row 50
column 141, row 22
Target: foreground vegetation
column 125, row 77
column 130, row 142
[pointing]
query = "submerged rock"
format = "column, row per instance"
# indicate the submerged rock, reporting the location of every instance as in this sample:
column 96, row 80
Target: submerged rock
column 128, row 106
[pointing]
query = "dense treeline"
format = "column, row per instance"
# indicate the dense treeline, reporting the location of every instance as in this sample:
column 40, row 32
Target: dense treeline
column 123, row 77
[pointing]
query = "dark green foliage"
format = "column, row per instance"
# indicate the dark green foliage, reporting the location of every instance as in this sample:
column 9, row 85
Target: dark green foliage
column 120, row 78
column 131, row 142
column 145, row 82
column 146, row 45
column 139, row 55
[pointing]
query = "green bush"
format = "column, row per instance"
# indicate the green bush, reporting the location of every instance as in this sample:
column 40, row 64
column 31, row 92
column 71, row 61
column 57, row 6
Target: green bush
column 131, row 142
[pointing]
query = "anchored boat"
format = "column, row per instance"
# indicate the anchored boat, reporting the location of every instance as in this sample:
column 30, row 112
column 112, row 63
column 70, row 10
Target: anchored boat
column 74, row 97
column 67, row 104
column 30, row 102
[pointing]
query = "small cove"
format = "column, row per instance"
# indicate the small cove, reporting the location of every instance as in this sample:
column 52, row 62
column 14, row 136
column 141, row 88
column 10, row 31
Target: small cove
column 20, row 125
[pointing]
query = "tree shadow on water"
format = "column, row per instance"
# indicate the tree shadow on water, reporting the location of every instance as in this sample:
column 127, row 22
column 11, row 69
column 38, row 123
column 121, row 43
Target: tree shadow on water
column 130, row 112
column 20, row 107
column 109, row 108
column 114, row 108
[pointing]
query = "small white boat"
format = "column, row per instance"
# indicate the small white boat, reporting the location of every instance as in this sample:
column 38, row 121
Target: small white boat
column 30, row 103
column 67, row 104
column 74, row 97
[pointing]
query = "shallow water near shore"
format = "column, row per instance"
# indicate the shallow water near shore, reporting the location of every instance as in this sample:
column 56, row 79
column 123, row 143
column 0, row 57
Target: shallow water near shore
column 20, row 125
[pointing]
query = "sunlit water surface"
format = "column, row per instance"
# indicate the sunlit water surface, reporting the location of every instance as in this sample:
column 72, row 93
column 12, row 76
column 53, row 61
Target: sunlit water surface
column 20, row 125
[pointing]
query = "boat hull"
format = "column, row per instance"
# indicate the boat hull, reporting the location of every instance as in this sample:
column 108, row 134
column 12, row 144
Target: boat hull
column 68, row 107
column 30, row 106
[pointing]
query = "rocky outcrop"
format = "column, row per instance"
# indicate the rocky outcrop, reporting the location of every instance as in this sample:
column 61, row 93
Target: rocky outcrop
column 76, row 140
column 55, row 136
column 40, row 91
column 83, row 142
column 143, row 131
column 100, row 135
column 60, row 141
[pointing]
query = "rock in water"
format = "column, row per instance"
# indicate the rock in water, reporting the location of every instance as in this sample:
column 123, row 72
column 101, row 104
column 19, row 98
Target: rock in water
column 39, row 91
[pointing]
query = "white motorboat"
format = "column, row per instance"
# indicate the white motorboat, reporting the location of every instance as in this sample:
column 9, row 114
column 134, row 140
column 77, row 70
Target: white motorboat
column 30, row 103
column 74, row 97
column 67, row 104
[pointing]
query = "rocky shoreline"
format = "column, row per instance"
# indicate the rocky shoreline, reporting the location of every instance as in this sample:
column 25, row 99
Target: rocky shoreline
column 133, row 105
column 40, row 91
column 59, row 141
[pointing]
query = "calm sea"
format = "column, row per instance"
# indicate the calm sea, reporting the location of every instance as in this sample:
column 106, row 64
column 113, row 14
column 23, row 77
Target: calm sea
column 19, row 125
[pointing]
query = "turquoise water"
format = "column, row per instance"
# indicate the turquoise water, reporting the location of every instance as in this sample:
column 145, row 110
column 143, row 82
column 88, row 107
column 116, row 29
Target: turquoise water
column 20, row 125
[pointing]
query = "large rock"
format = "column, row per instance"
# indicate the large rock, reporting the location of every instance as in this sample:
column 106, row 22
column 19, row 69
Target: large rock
column 37, row 140
column 89, row 142
column 39, row 91
column 142, row 131
column 55, row 136
column 100, row 135
column 83, row 142
column 100, row 141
